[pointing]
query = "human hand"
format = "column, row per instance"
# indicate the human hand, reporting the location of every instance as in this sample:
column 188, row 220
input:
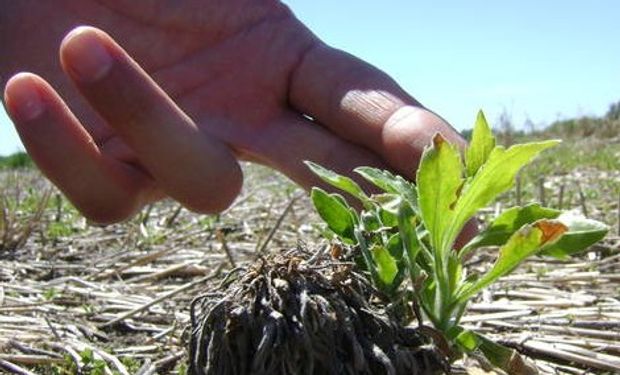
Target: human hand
column 238, row 79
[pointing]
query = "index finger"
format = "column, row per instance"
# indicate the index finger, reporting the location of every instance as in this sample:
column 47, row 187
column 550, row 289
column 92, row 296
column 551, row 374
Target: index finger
column 197, row 170
column 365, row 106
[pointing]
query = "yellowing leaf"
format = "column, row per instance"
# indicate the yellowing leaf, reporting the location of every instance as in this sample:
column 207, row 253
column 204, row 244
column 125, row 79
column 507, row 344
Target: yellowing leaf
column 525, row 242
column 495, row 177
column 500, row 230
column 551, row 230
column 582, row 233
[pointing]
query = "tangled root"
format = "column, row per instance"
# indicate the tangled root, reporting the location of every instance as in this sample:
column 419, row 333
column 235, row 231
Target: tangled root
column 288, row 315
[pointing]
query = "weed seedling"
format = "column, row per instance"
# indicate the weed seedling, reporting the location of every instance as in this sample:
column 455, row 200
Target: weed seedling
column 408, row 232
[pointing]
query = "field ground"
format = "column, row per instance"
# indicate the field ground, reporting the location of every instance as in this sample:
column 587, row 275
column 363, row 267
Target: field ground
column 116, row 299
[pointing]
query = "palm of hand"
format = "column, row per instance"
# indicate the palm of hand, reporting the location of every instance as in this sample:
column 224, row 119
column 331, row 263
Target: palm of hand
column 221, row 66
column 242, row 72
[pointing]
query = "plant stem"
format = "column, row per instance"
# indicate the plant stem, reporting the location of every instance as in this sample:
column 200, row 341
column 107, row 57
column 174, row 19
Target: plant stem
column 367, row 257
column 443, row 296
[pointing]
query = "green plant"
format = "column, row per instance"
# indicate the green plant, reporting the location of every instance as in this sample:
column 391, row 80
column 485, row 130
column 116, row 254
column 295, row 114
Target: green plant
column 92, row 365
column 181, row 368
column 50, row 294
column 17, row 160
column 613, row 113
column 409, row 231
column 131, row 364
column 20, row 215
column 88, row 308
column 65, row 367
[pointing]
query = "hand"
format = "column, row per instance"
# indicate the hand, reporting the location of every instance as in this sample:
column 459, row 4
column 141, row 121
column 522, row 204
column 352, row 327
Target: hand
column 219, row 81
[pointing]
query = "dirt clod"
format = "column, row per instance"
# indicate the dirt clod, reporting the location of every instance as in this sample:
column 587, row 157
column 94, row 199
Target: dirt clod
column 285, row 315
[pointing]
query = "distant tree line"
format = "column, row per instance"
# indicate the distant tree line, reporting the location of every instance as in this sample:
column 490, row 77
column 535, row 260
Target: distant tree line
column 16, row 160
column 613, row 113
column 601, row 127
column 606, row 127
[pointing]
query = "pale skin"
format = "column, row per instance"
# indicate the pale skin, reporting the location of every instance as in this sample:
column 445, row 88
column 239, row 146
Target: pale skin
column 162, row 98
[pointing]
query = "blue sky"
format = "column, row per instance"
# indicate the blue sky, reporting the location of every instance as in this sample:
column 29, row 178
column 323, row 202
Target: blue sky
column 541, row 60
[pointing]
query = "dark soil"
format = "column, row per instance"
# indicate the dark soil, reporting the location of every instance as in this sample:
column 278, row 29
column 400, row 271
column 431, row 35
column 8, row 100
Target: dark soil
column 294, row 315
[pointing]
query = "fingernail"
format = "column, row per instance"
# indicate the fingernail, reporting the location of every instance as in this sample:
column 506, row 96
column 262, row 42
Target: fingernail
column 23, row 99
column 87, row 57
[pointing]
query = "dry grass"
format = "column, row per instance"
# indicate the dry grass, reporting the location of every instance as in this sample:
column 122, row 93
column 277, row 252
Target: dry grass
column 116, row 299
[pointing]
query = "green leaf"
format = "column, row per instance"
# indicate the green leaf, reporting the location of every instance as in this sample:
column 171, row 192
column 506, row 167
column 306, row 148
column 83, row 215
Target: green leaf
column 336, row 180
column 507, row 223
column 582, row 233
column 371, row 221
column 338, row 216
column 87, row 356
column 387, row 267
column 388, row 208
column 482, row 143
column 439, row 181
column 428, row 296
column 408, row 233
column 496, row 176
column 505, row 358
column 370, row 264
column 455, row 270
column 465, row 338
column 525, row 242
column 395, row 247
column 389, row 183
